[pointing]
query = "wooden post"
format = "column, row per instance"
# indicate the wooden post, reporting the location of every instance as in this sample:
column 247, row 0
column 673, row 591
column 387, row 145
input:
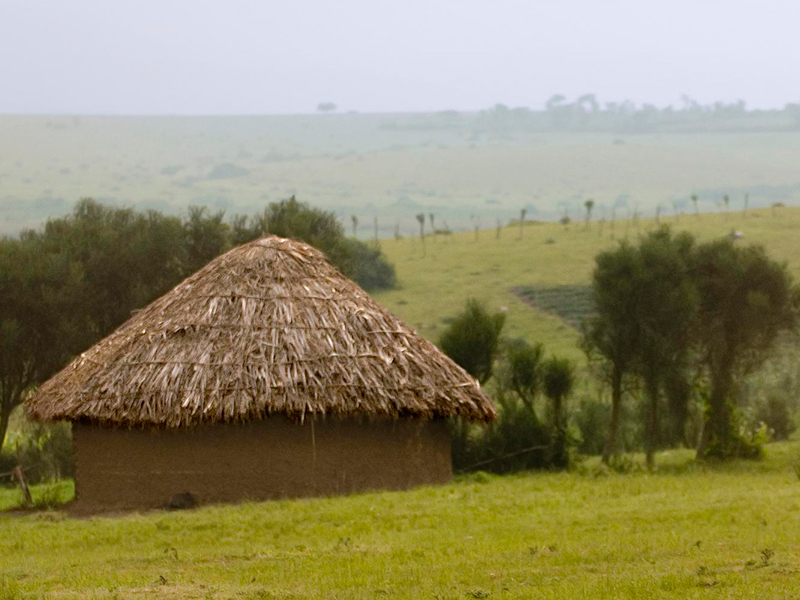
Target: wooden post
column 19, row 474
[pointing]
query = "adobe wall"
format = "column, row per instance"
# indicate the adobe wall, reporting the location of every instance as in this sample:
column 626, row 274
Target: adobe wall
column 122, row 469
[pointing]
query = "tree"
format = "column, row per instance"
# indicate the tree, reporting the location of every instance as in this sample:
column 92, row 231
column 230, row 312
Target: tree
column 207, row 236
column 421, row 221
column 696, row 209
column 645, row 304
column 127, row 259
column 665, row 311
column 589, row 205
column 558, row 379
column 354, row 221
column 524, row 370
column 39, row 317
column 291, row 218
column 746, row 301
column 610, row 337
column 472, row 340
column 326, row 106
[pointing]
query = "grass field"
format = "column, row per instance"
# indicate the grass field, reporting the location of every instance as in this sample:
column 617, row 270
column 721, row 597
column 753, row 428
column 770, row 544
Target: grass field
column 686, row 531
column 434, row 287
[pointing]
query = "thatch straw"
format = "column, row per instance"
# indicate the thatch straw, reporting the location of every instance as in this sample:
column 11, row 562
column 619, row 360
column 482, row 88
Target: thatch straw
column 267, row 328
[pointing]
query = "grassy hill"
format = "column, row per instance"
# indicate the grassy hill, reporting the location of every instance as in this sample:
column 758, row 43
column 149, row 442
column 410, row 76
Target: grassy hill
column 684, row 532
column 434, row 286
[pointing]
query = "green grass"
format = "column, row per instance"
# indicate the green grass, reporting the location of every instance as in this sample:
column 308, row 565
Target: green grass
column 435, row 287
column 45, row 495
column 686, row 531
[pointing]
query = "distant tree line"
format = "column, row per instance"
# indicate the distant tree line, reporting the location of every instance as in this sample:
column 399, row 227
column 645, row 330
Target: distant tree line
column 76, row 279
column 588, row 113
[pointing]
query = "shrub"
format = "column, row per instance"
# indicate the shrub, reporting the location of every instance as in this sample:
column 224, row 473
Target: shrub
column 290, row 218
column 43, row 451
column 472, row 340
column 516, row 441
column 775, row 413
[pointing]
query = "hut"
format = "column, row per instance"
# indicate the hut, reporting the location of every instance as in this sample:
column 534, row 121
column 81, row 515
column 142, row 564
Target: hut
column 266, row 374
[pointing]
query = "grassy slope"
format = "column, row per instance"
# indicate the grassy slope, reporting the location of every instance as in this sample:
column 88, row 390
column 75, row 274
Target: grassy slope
column 435, row 287
column 684, row 532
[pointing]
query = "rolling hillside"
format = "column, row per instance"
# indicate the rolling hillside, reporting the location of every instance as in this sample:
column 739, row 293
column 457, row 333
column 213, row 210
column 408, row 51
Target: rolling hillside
column 434, row 286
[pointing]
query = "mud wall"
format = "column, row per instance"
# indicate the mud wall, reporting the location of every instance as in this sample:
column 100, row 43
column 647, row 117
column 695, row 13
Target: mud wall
column 122, row 469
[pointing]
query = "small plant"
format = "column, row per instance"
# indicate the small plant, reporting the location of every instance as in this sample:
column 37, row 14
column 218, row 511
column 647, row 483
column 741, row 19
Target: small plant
column 623, row 464
column 49, row 496
column 766, row 556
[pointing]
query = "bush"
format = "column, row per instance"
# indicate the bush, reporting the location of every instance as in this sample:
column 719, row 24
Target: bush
column 775, row 412
column 363, row 263
column 516, row 441
column 472, row 340
column 43, row 451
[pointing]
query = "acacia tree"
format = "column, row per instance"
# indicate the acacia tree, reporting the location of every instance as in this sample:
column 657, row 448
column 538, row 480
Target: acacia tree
column 746, row 300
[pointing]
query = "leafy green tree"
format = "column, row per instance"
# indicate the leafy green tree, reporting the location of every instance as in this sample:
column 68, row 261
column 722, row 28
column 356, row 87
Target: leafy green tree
column 610, row 338
column 559, row 379
column 38, row 317
column 746, row 300
column 207, row 236
column 665, row 310
column 524, row 369
column 320, row 228
column 646, row 303
column 126, row 258
column 472, row 340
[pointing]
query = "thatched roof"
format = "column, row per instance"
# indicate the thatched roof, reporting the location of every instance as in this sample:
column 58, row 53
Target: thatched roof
column 267, row 328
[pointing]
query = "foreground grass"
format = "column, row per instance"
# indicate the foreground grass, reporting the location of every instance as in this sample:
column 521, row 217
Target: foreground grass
column 688, row 531
column 46, row 495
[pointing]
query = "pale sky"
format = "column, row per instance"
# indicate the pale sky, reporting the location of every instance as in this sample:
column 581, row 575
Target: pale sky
column 243, row 57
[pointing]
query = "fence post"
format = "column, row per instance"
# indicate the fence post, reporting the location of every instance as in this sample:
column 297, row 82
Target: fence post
column 19, row 474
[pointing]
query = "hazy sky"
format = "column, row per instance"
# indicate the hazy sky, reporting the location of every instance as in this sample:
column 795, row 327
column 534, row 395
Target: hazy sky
column 235, row 56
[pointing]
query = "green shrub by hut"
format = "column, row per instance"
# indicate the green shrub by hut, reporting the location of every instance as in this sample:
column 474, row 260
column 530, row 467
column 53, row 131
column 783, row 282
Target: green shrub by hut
column 266, row 374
